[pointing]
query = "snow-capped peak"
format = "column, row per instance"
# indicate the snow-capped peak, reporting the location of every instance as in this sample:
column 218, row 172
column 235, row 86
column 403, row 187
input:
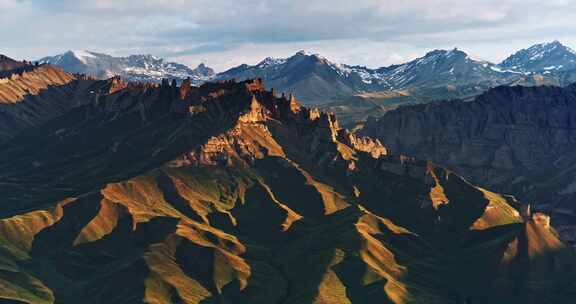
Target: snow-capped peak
column 539, row 51
column 82, row 55
column 270, row 61
column 551, row 46
column 543, row 57
column 303, row 53
column 134, row 68
column 478, row 59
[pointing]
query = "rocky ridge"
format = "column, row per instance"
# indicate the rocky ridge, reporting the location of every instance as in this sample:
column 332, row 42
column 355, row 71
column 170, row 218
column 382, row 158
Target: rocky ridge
column 33, row 94
column 7, row 63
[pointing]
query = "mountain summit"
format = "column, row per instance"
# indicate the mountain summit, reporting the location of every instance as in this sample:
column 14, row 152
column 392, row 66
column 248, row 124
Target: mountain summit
column 145, row 68
column 444, row 67
column 542, row 58
column 311, row 77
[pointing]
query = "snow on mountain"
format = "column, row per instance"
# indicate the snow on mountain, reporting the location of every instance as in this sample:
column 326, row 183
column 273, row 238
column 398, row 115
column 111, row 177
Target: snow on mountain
column 145, row 68
column 271, row 62
column 317, row 80
column 542, row 58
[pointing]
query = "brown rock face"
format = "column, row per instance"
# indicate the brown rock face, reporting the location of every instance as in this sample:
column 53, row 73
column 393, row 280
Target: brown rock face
column 360, row 143
column 517, row 140
column 116, row 85
column 185, row 88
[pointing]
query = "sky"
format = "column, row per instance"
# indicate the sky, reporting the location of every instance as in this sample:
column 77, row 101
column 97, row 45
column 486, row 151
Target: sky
column 226, row 33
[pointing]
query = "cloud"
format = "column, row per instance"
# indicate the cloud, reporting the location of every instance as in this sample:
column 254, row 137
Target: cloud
column 379, row 32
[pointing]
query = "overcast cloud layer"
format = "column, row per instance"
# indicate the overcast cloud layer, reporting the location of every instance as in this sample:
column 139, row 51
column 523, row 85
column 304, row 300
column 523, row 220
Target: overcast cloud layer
column 224, row 33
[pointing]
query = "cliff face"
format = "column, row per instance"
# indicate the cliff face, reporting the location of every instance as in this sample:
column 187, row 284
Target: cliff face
column 517, row 140
column 228, row 193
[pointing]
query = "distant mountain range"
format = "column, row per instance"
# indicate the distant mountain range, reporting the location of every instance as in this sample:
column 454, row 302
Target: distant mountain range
column 146, row 68
column 354, row 92
column 314, row 77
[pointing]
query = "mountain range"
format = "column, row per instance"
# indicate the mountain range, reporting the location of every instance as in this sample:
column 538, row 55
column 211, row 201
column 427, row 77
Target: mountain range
column 145, row 68
column 232, row 193
column 438, row 67
column 354, row 92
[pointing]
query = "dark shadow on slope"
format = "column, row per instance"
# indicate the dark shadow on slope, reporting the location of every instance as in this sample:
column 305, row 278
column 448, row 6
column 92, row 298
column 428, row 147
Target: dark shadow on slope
column 351, row 271
column 197, row 262
column 259, row 218
column 7, row 301
column 173, row 197
column 120, row 261
column 76, row 215
column 471, row 270
column 466, row 203
column 397, row 197
column 265, row 284
column 290, row 187
column 305, row 261
column 92, row 272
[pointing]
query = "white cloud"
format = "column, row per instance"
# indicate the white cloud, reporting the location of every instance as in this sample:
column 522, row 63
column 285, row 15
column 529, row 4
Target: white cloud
column 225, row 32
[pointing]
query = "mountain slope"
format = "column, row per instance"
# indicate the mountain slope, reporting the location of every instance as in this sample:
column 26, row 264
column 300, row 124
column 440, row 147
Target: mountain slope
column 229, row 194
column 517, row 140
column 144, row 68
